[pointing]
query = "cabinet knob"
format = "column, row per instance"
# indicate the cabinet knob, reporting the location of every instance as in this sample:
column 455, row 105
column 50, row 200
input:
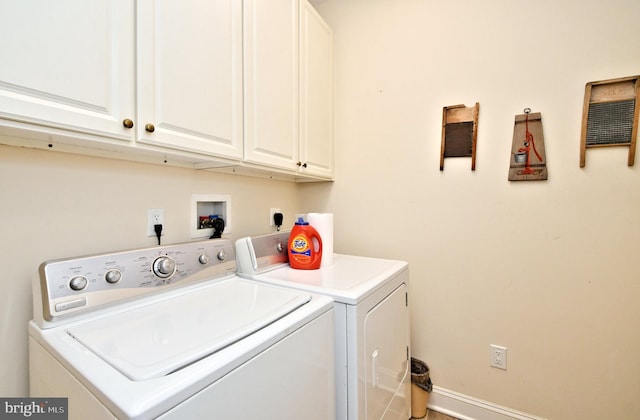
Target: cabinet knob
column 299, row 163
column 150, row 128
column 304, row 165
column 127, row 123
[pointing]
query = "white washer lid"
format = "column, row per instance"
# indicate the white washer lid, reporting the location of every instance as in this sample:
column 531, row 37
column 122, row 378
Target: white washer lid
column 163, row 337
column 349, row 279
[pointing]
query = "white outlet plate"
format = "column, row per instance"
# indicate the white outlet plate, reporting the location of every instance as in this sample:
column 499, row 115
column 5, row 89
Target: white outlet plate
column 154, row 217
column 273, row 211
column 498, row 356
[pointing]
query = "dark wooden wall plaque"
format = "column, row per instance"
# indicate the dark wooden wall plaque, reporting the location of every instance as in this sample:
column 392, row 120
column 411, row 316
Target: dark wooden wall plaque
column 459, row 133
column 610, row 115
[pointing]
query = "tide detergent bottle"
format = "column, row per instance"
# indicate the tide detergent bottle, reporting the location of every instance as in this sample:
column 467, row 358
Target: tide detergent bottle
column 305, row 246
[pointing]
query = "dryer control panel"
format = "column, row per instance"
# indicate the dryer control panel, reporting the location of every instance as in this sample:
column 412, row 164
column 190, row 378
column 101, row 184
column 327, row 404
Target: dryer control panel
column 80, row 284
column 259, row 254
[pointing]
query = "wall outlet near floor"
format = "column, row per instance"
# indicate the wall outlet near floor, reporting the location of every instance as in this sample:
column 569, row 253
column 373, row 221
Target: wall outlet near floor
column 498, row 356
column 154, row 217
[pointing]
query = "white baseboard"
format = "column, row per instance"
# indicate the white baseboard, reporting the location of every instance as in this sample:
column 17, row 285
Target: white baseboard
column 468, row 408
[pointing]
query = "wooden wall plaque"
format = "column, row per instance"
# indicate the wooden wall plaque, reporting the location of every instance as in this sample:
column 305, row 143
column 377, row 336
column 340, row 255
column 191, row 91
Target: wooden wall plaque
column 459, row 133
column 610, row 115
column 528, row 156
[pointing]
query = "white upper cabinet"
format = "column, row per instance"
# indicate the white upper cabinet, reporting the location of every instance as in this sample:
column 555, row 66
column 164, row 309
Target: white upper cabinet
column 271, row 82
column 68, row 65
column 190, row 75
column 201, row 83
column 72, row 65
column 316, row 94
column 288, row 87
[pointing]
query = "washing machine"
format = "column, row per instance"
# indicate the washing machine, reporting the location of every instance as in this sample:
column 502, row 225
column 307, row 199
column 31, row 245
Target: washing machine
column 172, row 332
column 371, row 308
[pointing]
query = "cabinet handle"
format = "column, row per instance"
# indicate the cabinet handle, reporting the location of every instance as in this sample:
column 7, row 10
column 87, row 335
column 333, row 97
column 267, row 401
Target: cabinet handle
column 304, row 165
column 150, row 128
column 127, row 123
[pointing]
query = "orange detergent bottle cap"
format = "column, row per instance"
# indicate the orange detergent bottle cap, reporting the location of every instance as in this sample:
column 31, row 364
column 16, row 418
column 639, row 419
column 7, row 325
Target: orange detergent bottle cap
column 305, row 246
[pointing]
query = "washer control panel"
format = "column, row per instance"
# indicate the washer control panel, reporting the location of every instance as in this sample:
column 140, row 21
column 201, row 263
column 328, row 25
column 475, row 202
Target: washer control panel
column 79, row 284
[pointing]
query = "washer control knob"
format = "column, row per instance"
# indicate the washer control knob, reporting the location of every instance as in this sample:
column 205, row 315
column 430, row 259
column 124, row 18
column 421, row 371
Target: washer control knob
column 113, row 276
column 164, row 267
column 203, row 259
column 78, row 282
column 280, row 247
column 221, row 256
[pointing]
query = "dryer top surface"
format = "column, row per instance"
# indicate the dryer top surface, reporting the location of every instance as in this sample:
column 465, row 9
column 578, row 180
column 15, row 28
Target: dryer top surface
column 349, row 280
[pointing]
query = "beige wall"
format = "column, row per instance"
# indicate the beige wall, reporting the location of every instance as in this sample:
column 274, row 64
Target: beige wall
column 547, row 269
column 56, row 205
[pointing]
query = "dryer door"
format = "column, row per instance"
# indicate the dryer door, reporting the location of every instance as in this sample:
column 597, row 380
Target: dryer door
column 386, row 334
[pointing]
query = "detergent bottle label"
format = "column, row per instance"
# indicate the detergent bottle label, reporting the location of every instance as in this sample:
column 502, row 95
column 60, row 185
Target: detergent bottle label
column 300, row 247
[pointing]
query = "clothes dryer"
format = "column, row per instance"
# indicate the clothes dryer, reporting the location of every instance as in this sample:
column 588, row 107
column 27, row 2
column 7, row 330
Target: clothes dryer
column 372, row 345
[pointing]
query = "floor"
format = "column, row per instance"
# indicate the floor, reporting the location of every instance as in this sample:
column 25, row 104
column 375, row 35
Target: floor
column 434, row 415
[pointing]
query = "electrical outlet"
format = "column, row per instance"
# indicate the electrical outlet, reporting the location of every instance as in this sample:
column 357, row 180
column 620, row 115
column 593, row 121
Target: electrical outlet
column 273, row 211
column 154, row 217
column 498, row 355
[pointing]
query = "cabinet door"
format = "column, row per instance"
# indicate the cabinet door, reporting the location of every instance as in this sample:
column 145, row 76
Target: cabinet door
column 271, row 82
column 190, row 75
column 68, row 64
column 316, row 94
